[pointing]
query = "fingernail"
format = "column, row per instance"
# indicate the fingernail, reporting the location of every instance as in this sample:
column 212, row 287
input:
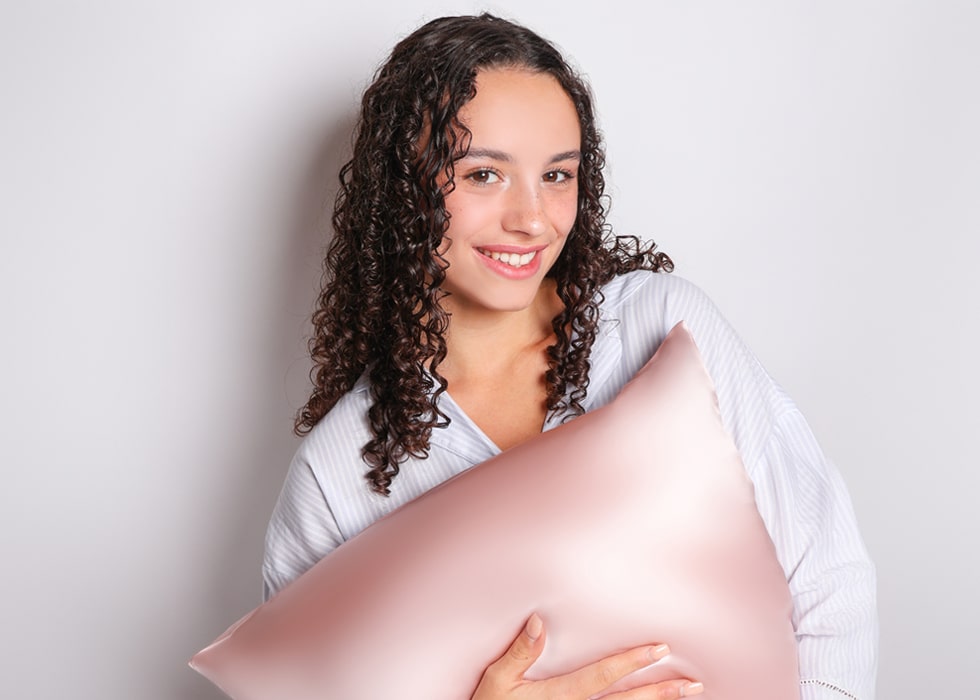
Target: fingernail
column 658, row 652
column 533, row 627
column 692, row 689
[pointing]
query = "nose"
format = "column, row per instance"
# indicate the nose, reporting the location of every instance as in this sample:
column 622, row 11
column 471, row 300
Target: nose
column 525, row 211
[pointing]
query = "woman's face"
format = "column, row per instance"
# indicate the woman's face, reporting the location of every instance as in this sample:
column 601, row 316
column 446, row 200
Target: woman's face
column 516, row 191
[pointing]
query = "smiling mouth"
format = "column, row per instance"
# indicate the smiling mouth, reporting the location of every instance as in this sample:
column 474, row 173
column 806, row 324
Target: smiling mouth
column 512, row 259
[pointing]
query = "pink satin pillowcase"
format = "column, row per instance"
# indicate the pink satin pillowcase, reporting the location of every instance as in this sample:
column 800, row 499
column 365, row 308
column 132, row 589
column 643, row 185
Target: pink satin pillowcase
column 633, row 524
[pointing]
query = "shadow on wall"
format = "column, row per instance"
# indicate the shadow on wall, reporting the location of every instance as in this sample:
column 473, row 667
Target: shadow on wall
column 234, row 582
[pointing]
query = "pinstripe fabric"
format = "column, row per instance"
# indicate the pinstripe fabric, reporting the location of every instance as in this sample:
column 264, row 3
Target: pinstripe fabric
column 800, row 495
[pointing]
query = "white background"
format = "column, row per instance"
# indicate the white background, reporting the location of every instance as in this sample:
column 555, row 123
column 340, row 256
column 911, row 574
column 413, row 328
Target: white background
column 165, row 168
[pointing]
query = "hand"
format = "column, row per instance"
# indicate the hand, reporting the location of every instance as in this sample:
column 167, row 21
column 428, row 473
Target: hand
column 504, row 678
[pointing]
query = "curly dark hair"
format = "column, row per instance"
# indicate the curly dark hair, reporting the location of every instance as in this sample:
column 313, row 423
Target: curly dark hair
column 379, row 309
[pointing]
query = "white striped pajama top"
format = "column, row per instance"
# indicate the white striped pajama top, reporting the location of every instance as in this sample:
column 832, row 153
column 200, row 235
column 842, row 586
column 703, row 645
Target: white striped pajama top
column 800, row 495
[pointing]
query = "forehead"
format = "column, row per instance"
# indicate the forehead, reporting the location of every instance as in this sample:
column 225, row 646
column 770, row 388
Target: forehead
column 518, row 106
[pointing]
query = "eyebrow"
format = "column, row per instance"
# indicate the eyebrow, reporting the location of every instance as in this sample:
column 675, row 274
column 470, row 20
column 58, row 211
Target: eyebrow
column 493, row 154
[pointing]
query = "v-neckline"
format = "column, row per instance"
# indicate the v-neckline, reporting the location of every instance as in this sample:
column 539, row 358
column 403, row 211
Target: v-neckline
column 606, row 351
column 460, row 414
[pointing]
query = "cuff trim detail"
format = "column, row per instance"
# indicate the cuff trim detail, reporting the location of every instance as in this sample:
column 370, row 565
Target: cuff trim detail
column 829, row 686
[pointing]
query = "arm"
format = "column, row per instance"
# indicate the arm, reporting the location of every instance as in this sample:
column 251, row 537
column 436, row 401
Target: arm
column 802, row 500
column 808, row 513
column 302, row 529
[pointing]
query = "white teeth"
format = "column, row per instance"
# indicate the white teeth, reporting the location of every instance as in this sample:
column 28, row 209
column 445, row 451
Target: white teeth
column 512, row 259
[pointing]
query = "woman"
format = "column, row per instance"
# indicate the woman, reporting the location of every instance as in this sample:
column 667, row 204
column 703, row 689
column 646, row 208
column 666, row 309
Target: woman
column 472, row 269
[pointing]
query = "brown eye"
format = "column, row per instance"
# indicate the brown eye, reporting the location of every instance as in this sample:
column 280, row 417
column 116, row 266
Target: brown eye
column 483, row 176
column 557, row 176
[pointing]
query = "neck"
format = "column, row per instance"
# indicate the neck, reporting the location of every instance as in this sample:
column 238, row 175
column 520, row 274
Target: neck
column 480, row 342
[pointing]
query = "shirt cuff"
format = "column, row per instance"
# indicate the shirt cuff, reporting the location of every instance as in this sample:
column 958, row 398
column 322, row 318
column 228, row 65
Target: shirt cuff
column 813, row 689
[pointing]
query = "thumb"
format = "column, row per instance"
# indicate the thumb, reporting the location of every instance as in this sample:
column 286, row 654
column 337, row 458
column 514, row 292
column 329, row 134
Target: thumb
column 523, row 652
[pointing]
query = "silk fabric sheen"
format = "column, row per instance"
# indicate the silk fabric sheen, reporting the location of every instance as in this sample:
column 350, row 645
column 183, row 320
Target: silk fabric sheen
column 417, row 605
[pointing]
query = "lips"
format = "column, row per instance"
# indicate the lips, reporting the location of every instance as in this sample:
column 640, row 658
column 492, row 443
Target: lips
column 512, row 259
column 512, row 262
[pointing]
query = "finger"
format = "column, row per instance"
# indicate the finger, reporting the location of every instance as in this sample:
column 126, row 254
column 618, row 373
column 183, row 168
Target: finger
column 598, row 676
column 665, row 690
column 521, row 654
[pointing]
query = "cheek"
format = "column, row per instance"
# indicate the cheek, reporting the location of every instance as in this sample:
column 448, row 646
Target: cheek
column 565, row 213
column 472, row 216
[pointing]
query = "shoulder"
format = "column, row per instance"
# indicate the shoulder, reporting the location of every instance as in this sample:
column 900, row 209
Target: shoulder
column 638, row 311
column 656, row 293
column 309, row 520
column 330, row 455
column 344, row 425
column 646, row 304
column 324, row 499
